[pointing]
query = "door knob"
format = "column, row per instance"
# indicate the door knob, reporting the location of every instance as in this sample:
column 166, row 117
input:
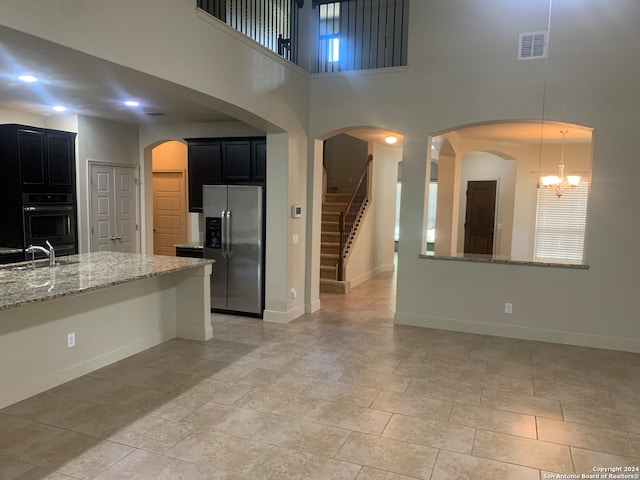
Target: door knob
column 113, row 237
column 119, row 237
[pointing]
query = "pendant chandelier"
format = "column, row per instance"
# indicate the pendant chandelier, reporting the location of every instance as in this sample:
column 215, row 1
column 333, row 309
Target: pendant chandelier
column 559, row 182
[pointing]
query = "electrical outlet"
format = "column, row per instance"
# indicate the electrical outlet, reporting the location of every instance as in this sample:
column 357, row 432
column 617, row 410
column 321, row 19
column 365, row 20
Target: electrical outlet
column 508, row 308
column 71, row 339
column 294, row 293
column 295, row 239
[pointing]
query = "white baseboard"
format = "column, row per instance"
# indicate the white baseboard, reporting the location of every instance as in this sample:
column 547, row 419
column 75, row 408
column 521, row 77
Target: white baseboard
column 283, row 317
column 370, row 274
column 313, row 306
column 524, row 333
column 194, row 333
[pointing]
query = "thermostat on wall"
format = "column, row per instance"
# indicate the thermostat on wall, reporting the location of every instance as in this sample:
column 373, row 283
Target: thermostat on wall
column 296, row 211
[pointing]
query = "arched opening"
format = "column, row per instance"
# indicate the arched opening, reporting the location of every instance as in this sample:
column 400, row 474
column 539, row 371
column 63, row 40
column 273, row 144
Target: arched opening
column 508, row 160
column 355, row 160
column 171, row 219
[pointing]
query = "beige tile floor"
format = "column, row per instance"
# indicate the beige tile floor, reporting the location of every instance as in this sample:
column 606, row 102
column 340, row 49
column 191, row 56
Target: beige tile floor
column 339, row 394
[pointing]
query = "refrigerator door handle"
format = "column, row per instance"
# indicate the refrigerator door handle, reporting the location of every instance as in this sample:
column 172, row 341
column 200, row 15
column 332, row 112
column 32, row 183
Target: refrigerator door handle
column 223, row 233
column 229, row 251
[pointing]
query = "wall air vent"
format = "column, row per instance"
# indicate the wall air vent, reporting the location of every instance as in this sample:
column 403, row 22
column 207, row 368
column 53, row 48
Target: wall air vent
column 533, row 45
column 155, row 114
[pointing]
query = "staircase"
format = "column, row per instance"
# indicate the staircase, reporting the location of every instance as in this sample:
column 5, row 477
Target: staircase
column 341, row 217
column 333, row 204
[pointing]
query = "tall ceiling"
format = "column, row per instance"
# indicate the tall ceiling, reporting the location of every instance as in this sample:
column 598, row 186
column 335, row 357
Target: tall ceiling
column 90, row 86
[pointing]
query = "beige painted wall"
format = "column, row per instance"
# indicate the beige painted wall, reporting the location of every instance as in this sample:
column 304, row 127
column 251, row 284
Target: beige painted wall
column 462, row 70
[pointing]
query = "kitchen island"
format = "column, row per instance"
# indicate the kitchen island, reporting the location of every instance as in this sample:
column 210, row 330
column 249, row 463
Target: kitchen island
column 110, row 305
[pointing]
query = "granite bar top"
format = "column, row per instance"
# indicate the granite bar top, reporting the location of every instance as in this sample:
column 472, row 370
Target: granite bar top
column 20, row 284
column 190, row 245
column 534, row 262
column 9, row 250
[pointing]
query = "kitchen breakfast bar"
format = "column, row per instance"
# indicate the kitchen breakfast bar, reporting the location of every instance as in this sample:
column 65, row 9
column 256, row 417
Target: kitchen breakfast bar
column 90, row 310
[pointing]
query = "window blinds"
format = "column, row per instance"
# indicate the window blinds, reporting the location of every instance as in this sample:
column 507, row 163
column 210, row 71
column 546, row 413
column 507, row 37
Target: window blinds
column 561, row 223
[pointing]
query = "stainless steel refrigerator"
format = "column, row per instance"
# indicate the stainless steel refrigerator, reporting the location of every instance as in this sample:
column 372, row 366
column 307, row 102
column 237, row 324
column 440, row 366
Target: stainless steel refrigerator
column 234, row 238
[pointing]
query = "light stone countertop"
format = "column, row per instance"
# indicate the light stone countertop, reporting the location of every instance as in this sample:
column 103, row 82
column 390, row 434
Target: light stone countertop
column 537, row 262
column 83, row 273
column 197, row 245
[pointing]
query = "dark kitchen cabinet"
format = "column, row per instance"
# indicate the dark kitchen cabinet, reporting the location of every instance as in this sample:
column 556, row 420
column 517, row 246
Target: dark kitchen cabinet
column 224, row 161
column 259, row 165
column 204, row 169
column 46, row 159
column 191, row 252
column 236, row 161
column 34, row 161
column 43, row 160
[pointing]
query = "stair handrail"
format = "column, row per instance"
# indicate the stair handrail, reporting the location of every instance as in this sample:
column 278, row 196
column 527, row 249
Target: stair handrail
column 347, row 222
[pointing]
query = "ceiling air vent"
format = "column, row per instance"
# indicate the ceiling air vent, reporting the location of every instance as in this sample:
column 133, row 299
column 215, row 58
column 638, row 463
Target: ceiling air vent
column 533, row 45
column 155, row 114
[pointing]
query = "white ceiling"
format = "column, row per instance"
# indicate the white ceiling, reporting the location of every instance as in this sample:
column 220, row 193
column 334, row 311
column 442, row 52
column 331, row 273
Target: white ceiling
column 90, row 86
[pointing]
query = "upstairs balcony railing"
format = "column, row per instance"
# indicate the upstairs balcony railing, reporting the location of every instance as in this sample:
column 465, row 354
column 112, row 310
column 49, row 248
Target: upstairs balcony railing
column 343, row 35
column 361, row 34
column 271, row 23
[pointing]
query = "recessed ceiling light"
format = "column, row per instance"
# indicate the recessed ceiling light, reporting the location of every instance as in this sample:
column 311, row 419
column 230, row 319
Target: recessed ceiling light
column 131, row 103
column 60, row 108
column 28, row 78
column 391, row 139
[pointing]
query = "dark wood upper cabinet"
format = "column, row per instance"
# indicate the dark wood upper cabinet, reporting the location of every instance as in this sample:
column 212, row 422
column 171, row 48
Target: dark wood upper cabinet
column 31, row 158
column 224, row 161
column 236, row 161
column 204, row 169
column 61, row 160
column 259, row 156
column 45, row 158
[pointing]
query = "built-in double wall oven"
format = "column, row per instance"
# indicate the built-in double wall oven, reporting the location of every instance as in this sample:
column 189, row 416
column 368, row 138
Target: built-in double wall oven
column 50, row 217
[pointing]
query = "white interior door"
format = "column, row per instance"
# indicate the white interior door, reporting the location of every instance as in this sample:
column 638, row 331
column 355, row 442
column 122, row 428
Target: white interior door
column 113, row 208
column 125, row 202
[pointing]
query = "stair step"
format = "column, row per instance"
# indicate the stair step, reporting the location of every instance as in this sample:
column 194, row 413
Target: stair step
column 338, row 197
column 329, row 248
column 330, row 237
column 333, row 207
column 330, row 216
column 327, row 271
column 329, row 227
column 329, row 259
column 334, row 286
